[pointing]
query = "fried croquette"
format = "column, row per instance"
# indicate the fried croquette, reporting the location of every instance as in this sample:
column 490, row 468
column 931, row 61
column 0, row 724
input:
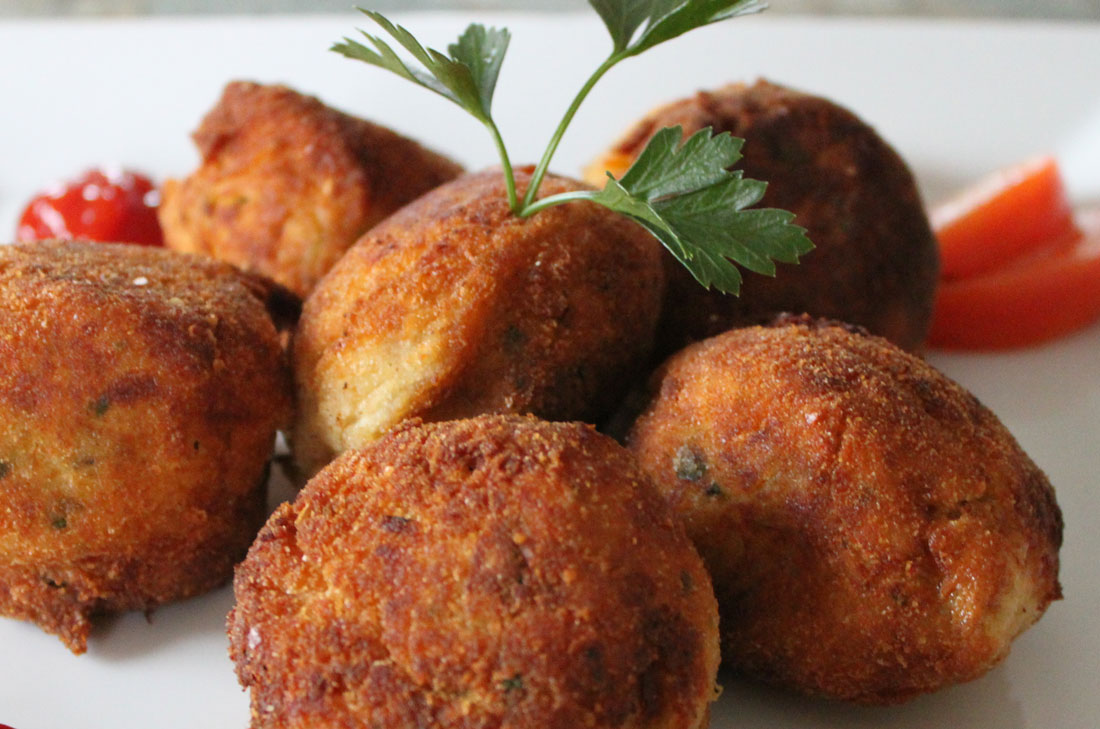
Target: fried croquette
column 287, row 184
column 454, row 307
column 875, row 261
column 494, row 572
column 873, row 531
column 140, row 392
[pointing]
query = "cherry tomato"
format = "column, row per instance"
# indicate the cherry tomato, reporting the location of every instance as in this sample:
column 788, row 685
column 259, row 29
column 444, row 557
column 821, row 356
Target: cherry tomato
column 116, row 206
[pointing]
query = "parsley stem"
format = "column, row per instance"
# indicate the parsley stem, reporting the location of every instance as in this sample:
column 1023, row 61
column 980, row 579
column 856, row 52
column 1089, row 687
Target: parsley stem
column 560, row 198
column 506, row 163
column 544, row 163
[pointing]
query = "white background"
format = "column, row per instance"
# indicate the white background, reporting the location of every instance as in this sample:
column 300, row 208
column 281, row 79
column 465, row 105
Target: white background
column 957, row 100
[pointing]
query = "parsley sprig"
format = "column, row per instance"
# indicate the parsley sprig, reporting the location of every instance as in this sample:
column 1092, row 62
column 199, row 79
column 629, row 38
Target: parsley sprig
column 467, row 76
column 684, row 194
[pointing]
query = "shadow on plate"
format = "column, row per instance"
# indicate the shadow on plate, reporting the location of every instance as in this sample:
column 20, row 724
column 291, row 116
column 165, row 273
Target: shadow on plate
column 199, row 621
column 986, row 702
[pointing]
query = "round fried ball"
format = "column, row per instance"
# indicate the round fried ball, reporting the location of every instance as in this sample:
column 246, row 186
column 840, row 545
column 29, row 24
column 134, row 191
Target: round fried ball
column 454, row 307
column 875, row 261
column 140, row 392
column 494, row 572
column 287, row 184
column 873, row 532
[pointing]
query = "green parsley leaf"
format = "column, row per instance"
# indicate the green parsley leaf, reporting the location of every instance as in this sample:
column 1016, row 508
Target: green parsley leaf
column 667, row 167
column 624, row 18
column 689, row 199
column 482, row 51
column 638, row 25
column 685, row 194
column 467, row 76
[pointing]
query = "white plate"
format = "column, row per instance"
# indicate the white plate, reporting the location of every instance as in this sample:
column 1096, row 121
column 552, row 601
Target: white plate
column 956, row 99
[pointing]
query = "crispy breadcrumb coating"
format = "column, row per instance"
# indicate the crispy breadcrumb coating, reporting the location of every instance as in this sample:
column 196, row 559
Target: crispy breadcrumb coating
column 455, row 307
column 496, row 572
column 875, row 261
column 872, row 530
column 287, row 184
column 140, row 392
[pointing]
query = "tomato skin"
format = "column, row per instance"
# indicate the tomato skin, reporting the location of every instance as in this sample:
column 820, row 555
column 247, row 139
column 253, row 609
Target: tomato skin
column 1032, row 301
column 1019, row 267
column 1004, row 218
column 117, row 206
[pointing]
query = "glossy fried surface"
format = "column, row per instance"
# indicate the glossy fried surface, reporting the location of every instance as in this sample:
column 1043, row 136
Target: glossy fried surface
column 872, row 530
column 140, row 391
column 287, row 184
column 494, row 572
column 875, row 261
column 454, row 306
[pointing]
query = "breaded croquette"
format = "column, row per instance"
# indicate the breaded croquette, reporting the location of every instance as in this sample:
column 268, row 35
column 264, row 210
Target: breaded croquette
column 873, row 532
column 140, row 392
column 494, row 572
column 875, row 261
column 454, row 307
column 287, row 184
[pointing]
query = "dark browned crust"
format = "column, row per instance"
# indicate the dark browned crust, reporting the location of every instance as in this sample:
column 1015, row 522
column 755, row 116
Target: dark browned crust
column 140, row 392
column 872, row 530
column 552, row 314
column 875, row 262
column 500, row 571
column 287, row 184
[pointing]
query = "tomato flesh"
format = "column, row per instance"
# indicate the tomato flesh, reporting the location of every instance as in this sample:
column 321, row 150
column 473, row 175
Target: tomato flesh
column 1034, row 300
column 1003, row 218
column 116, row 206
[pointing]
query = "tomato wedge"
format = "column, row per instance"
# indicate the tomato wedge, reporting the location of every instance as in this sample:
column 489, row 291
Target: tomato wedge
column 1003, row 218
column 1033, row 300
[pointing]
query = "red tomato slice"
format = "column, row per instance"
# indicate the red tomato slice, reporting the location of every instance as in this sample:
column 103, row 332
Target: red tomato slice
column 1034, row 300
column 1003, row 218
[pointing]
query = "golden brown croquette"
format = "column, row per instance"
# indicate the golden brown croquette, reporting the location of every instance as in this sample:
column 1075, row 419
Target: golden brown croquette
column 875, row 261
column 495, row 572
column 287, row 184
column 873, row 532
column 454, row 307
column 140, row 392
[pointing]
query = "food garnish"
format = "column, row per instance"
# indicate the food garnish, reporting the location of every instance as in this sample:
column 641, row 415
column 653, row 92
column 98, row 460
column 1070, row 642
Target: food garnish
column 1020, row 266
column 685, row 194
column 1009, row 214
column 109, row 206
column 1048, row 295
